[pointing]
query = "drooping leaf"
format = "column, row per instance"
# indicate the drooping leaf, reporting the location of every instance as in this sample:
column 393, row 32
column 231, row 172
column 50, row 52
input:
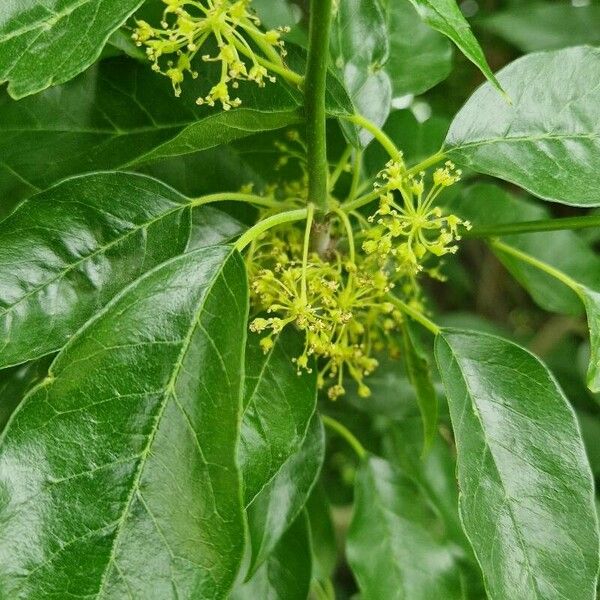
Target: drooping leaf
column 446, row 17
column 276, row 507
column 286, row 573
column 419, row 57
column 16, row 382
column 67, row 251
column 394, row 546
column 488, row 204
column 521, row 461
column 548, row 140
column 278, row 406
column 539, row 26
column 142, row 496
column 47, row 43
column 419, row 374
column 360, row 48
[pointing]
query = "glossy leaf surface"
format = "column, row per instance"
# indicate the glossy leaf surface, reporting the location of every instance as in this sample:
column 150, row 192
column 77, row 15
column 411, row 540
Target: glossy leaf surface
column 521, row 462
column 539, row 26
column 117, row 114
column 393, row 545
column 419, row 374
column 66, row 252
column 445, row 16
column 286, row 573
column 16, row 382
column 360, row 48
column 419, row 57
column 548, row 140
column 46, row 43
column 142, row 496
column 279, row 503
column 278, row 406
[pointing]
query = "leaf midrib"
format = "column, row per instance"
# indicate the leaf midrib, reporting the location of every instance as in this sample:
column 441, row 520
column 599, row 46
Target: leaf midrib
column 168, row 391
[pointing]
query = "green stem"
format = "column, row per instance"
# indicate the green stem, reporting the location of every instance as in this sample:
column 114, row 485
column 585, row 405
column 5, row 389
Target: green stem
column 236, row 197
column 542, row 266
column 266, row 224
column 289, row 75
column 378, row 134
column 315, row 83
column 346, row 434
column 568, row 223
column 339, row 169
column 363, row 200
column 425, row 164
column 415, row 314
column 309, row 222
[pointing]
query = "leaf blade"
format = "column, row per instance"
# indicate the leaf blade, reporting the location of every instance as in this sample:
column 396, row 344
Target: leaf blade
column 392, row 547
column 122, row 532
column 67, row 251
column 54, row 41
column 446, row 17
column 547, row 141
column 278, row 407
column 520, row 458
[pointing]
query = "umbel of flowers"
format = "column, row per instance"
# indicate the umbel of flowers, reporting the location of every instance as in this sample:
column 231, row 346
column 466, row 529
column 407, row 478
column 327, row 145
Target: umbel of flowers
column 244, row 51
column 342, row 300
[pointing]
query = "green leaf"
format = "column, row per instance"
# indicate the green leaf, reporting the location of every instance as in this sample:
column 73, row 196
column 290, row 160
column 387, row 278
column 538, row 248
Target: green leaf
column 521, row 461
column 393, row 545
column 67, row 251
column 47, row 43
column 119, row 114
column 445, row 17
column 275, row 508
column 322, row 534
column 541, row 26
column 419, row 374
column 419, row 57
column 278, row 406
column 548, row 140
column 360, row 47
column 286, row 573
column 488, row 204
column 16, row 382
column 211, row 226
column 591, row 300
column 118, row 474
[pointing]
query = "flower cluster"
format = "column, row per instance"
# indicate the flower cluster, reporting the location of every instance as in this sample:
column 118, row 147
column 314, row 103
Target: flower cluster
column 243, row 49
column 406, row 235
column 339, row 295
column 341, row 308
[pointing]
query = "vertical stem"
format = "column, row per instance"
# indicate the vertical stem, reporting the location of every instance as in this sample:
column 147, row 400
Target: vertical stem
column 314, row 101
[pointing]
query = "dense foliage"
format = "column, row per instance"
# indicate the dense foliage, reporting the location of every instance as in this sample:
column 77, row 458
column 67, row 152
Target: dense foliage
column 299, row 299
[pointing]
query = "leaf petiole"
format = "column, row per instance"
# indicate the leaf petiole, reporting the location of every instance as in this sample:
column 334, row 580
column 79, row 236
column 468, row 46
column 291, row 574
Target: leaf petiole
column 345, row 433
column 285, row 217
